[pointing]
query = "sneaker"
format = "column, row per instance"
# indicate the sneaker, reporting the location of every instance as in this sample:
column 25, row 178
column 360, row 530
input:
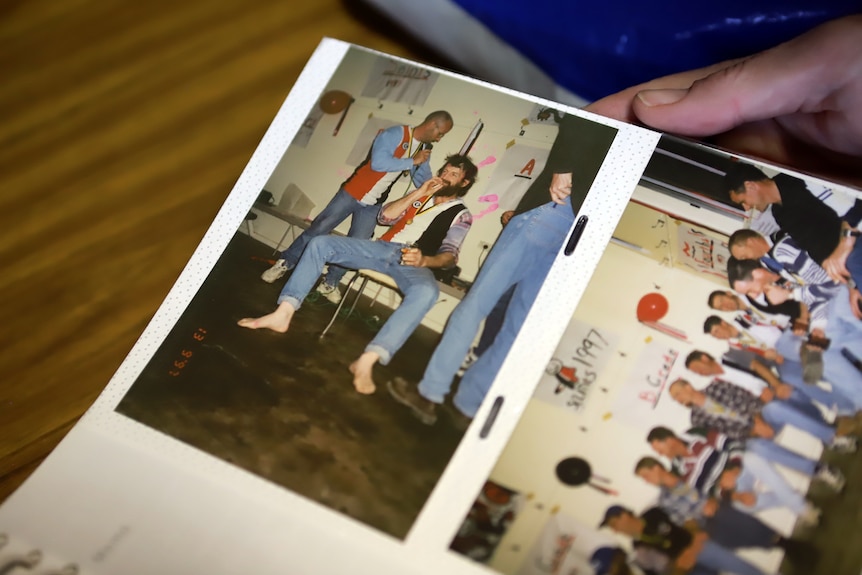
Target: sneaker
column 833, row 478
column 843, row 444
column 277, row 271
column 468, row 361
column 406, row 394
column 332, row 293
column 809, row 516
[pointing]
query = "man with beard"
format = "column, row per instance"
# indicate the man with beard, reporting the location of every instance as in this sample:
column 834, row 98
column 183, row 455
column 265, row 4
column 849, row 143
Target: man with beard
column 426, row 230
column 395, row 152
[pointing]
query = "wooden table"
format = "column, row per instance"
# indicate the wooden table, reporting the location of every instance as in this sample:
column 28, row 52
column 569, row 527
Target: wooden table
column 123, row 126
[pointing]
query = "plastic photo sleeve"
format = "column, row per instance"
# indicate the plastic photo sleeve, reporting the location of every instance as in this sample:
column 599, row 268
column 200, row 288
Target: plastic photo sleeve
column 705, row 389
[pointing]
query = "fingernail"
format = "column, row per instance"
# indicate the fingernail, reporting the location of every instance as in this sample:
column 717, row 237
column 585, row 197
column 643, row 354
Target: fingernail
column 661, row 97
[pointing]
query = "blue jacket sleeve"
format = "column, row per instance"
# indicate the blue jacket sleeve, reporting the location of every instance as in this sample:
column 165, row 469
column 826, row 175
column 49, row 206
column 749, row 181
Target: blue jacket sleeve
column 382, row 149
column 422, row 174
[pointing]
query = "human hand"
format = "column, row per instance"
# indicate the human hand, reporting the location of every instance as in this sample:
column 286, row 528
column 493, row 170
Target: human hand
column 776, row 295
column 710, row 507
column 728, row 478
column 836, row 264
column 856, row 303
column 772, row 355
column 421, row 157
column 506, row 216
column 412, row 257
column 799, row 103
column 783, row 390
column 762, row 429
column 747, row 498
column 686, row 560
column 430, row 186
column 767, row 395
column 561, row 187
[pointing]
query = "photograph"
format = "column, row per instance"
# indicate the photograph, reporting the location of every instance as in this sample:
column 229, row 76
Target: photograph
column 349, row 332
column 701, row 413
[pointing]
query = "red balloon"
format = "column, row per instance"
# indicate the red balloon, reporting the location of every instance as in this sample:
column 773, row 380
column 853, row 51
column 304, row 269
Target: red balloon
column 652, row 307
column 334, row 101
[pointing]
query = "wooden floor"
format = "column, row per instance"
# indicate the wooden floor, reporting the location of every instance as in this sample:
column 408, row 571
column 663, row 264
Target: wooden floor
column 123, row 126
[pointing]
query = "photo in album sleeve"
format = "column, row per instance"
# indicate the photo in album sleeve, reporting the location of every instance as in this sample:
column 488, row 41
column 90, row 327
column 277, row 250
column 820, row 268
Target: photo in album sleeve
column 306, row 400
column 704, row 394
column 487, row 521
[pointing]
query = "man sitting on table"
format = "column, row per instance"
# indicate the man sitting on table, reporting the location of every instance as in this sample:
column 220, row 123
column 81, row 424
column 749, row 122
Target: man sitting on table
column 427, row 228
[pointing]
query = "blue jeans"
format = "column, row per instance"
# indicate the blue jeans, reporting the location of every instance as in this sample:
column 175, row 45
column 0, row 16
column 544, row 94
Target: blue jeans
column 790, row 372
column 362, row 222
column 493, row 323
column 521, row 257
column 417, row 285
column 778, row 493
column 845, row 331
column 778, row 413
column 714, row 556
column 777, row 453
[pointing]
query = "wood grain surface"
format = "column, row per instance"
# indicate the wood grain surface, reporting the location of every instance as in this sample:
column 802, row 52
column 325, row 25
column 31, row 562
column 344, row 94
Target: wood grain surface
column 123, row 126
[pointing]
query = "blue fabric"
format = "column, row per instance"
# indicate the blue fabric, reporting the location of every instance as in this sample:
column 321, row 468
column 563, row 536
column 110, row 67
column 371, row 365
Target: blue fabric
column 716, row 557
column 521, row 257
column 777, row 453
column 362, row 223
column 780, row 413
column 417, row 285
column 597, row 48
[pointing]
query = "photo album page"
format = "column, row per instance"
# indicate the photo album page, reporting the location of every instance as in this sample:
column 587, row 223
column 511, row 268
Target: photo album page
column 440, row 326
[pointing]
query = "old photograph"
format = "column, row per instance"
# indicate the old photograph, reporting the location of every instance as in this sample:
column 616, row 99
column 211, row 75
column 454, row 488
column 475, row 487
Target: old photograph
column 347, row 335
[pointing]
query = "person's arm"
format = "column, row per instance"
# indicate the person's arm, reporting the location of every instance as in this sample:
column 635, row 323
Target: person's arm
column 835, row 264
column 796, row 104
column 781, row 389
column 447, row 255
column 423, row 172
column 383, row 150
column 687, row 559
column 394, row 210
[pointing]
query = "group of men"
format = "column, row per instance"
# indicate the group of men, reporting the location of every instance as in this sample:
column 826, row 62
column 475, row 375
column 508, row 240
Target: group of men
column 790, row 361
column 427, row 222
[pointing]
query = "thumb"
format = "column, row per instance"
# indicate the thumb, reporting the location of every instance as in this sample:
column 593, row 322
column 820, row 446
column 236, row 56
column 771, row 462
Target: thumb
column 743, row 92
column 781, row 81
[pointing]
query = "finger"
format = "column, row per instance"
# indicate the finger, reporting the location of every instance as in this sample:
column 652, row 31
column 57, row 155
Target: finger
column 778, row 82
column 619, row 105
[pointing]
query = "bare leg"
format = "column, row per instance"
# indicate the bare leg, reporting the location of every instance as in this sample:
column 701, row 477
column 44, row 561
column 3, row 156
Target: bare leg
column 279, row 320
column 361, row 370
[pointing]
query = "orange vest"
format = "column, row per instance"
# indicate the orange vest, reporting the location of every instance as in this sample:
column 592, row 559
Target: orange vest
column 368, row 186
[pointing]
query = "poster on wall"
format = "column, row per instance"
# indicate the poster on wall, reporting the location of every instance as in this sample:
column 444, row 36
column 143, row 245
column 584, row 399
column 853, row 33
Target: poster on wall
column 646, row 383
column 513, row 173
column 399, row 82
column 701, row 250
column 578, row 361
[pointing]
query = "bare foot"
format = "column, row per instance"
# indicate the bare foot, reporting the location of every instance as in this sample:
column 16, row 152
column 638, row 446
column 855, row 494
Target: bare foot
column 278, row 321
column 361, row 370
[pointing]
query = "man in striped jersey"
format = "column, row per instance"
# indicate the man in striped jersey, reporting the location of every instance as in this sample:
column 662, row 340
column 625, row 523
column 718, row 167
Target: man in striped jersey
column 720, row 467
column 802, row 277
